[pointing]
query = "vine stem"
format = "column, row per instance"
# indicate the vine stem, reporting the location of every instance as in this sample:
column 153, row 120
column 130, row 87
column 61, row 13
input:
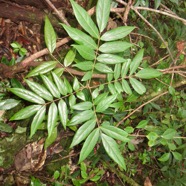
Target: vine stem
column 135, row 110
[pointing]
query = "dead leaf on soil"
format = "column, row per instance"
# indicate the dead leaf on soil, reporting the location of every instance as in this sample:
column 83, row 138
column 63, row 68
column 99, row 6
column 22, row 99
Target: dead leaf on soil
column 181, row 46
column 147, row 182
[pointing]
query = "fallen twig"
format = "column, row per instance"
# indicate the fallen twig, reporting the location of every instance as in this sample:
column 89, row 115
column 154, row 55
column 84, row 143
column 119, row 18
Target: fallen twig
column 149, row 24
column 60, row 14
column 138, row 108
column 127, row 10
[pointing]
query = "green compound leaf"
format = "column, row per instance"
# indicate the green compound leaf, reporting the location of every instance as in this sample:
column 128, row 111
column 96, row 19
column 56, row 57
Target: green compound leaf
column 72, row 100
column 117, row 71
column 118, row 87
column 25, row 112
column 102, row 13
column 126, row 87
column 171, row 145
column 100, row 97
column 82, row 117
column 52, row 118
column 8, row 104
column 152, row 136
column 89, row 144
column 169, row 134
column 115, row 133
column 58, row 71
column 60, row 84
column 85, row 66
column 37, row 120
column 87, row 76
column 118, row 105
column 85, row 20
column 15, row 45
column 69, row 58
column 148, row 73
column 67, row 85
column 80, row 37
column 39, row 90
column 50, row 35
column 63, row 112
column 114, row 47
column 112, row 89
column 82, row 106
column 95, row 93
column 51, row 86
column 129, row 129
column 83, row 171
column 164, row 157
column 157, row 4
column 136, row 61
column 125, row 68
column 50, row 139
column 83, row 132
column 85, row 51
column 117, row 33
column 81, row 95
column 42, row 69
column 132, row 98
column 105, row 103
column 110, row 77
column 76, row 84
column 27, row 95
column 142, row 124
column 172, row 91
column 112, row 149
column 177, row 156
column 16, row 83
column 137, row 86
column 110, row 59
column 103, row 68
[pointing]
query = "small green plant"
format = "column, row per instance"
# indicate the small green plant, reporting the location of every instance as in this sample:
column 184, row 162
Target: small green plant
column 35, row 181
column 79, row 177
column 17, row 48
column 58, row 100
column 95, row 111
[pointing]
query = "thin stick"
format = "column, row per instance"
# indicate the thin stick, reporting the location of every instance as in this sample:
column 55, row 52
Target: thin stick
column 135, row 110
column 127, row 10
column 25, row 63
column 148, row 23
column 36, row 55
column 157, row 62
column 60, row 14
column 162, row 12
column 156, row 33
column 171, row 14
column 174, row 67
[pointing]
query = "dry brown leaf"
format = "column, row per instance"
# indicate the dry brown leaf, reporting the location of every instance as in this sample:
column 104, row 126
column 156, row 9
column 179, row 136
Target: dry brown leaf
column 181, row 45
column 147, row 182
